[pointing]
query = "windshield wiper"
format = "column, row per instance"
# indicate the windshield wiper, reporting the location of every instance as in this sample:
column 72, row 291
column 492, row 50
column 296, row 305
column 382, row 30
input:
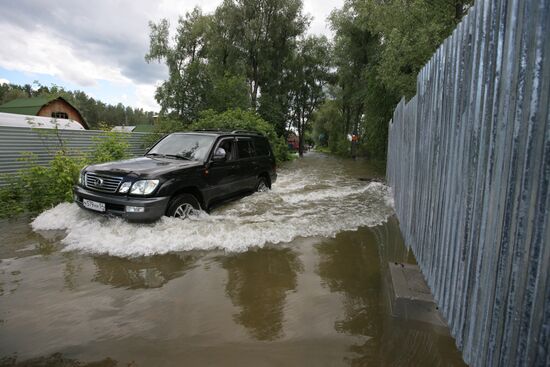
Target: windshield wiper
column 178, row 156
column 155, row 154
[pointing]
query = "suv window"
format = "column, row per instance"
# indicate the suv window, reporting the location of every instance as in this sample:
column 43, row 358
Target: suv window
column 245, row 148
column 227, row 145
column 262, row 147
column 186, row 146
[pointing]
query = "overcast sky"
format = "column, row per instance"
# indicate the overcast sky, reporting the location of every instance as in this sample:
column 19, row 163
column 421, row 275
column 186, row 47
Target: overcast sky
column 99, row 46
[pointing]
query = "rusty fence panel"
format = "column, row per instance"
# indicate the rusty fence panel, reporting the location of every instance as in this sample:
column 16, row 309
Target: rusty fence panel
column 469, row 165
column 43, row 143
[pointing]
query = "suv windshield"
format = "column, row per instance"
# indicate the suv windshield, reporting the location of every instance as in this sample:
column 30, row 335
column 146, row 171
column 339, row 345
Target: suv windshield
column 183, row 146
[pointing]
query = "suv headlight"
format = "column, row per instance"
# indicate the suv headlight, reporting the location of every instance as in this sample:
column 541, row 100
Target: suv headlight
column 125, row 187
column 81, row 176
column 144, row 187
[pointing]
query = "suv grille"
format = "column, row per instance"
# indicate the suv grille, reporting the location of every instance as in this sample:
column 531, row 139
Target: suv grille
column 102, row 182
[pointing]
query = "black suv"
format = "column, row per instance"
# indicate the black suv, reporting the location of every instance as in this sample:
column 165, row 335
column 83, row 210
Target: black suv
column 181, row 173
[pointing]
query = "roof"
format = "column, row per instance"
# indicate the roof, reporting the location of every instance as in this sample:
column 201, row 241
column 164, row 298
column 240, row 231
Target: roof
column 28, row 121
column 25, row 106
column 143, row 128
column 31, row 106
column 227, row 132
column 125, row 129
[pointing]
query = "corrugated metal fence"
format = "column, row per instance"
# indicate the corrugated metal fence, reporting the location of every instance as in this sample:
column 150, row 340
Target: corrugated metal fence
column 469, row 164
column 43, row 143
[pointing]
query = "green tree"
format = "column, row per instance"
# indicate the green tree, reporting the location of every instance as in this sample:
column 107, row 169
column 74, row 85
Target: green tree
column 379, row 47
column 229, row 92
column 268, row 30
column 9, row 92
column 355, row 56
column 196, row 79
column 309, row 73
column 412, row 30
column 238, row 119
column 328, row 127
column 237, row 57
column 185, row 92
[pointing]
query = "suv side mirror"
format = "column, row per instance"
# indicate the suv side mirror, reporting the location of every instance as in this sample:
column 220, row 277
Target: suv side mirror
column 219, row 155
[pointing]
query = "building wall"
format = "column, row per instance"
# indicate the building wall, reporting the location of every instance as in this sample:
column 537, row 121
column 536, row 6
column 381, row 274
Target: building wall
column 293, row 140
column 469, row 166
column 60, row 106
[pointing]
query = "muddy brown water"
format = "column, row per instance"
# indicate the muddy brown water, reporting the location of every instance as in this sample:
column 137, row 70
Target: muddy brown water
column 293, row 277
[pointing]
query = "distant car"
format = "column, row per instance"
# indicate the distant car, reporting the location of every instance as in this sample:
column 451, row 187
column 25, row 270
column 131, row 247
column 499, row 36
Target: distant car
column 180, row 174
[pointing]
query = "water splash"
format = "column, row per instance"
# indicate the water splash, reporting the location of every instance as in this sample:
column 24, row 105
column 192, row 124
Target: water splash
column 305, row 202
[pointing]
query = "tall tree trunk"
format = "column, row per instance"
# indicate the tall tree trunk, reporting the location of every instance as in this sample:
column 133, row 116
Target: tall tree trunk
column 358, row 114
column 301, row 142
column 254, row 98
column 348, row 120
column 300, row 135
column 255, row 83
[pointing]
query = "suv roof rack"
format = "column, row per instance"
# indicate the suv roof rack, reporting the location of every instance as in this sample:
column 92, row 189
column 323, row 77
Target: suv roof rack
column 245, row 132
column 231, row 131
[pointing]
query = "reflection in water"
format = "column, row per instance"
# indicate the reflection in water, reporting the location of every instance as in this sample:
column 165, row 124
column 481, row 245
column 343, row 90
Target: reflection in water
column 46, row 248
column 55, row 360
column 73, row 267
column 17, row 239
column 349, row 264
column 409, row 344
column 9, row 281
column 48, row 241
column 142, row 272
column 355, row 265
column 390, row 243
column 258, row 281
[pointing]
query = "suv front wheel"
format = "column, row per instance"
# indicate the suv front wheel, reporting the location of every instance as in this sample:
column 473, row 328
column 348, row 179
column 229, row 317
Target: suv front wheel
column 183, row 206
column 262, row 186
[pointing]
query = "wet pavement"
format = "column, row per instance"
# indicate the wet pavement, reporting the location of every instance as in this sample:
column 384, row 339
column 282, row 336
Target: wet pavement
column 293, row 277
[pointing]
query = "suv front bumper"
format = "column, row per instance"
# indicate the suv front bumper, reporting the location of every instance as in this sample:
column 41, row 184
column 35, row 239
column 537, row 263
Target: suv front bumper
column 154, row 207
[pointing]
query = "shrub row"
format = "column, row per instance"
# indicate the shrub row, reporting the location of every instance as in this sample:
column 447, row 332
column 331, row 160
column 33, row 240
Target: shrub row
column 36, row 187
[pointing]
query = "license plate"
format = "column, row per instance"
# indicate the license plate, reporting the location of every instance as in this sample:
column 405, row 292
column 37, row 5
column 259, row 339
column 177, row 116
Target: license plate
column 94, row 205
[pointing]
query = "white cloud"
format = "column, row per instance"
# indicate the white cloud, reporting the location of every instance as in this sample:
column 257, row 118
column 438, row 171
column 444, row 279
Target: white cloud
column 320, row 10
column 4, row 81
column 84, row 43
column 40, row 52
column 145, row 97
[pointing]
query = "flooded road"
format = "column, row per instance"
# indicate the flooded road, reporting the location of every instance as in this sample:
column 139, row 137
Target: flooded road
column 292, row 277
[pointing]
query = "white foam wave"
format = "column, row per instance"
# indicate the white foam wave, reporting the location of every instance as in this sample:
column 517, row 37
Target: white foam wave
column 293, row 209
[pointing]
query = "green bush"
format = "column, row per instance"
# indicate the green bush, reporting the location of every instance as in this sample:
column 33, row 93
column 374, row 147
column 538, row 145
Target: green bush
column 110, row 147
column 36, row 188
column 11, row 197
column 238, row 119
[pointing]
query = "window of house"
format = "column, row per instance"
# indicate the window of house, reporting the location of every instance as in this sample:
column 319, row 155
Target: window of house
column 60, row 115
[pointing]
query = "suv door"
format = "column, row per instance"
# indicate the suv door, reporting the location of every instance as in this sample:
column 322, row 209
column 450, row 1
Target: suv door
column 222, row 177
column 248, row 166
